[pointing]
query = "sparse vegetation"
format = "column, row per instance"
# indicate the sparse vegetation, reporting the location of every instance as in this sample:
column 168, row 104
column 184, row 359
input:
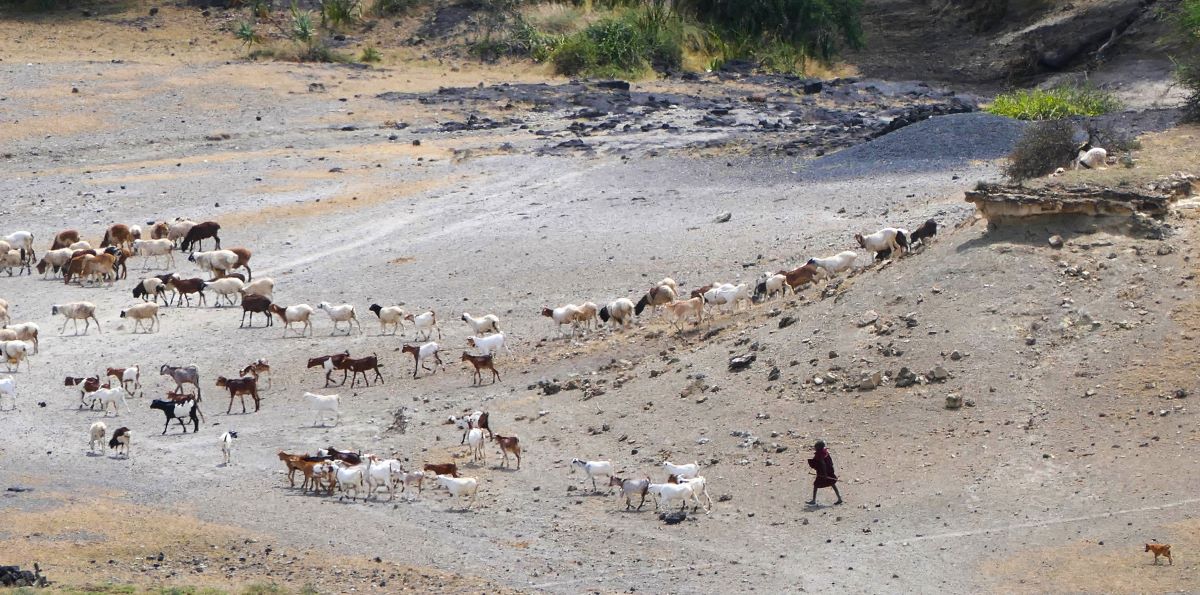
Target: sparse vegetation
column 388, row 8
column 1188, row 68
column 370, row 54
column 247, row 34
column 1042, row 148
column 814, row 27
column 1052, row 104
column 338, row 14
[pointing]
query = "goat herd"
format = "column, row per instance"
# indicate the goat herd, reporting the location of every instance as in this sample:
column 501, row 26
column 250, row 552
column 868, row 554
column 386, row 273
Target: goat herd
column 354, row 474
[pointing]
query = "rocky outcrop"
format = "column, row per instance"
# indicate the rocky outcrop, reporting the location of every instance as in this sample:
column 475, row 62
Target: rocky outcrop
column 999, row 203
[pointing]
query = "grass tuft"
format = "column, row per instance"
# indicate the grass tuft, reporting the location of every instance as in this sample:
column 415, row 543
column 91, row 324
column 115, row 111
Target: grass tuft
column 1052, row 104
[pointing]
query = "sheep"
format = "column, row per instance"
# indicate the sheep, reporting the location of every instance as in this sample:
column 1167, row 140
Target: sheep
column 117, row 235
column 294, row 314
column 593, row 469
column 255, row 304
column 178, row 230
column 489, row 344
column 481, row 363
column 322, row 403
column 681, row 309
column 53, row 261
column 669, row 492
column 475, row 441
column 618, row 312
column 265, row 287
column 140, row 313
column 568, row 314
column 199, row 232
column 19, row 240
column 96, row 436
column 64, row 239
column 156, row 249
column 509, row 444
column 659, row 295
column 340, row 314
column 18, row 259
column 925, row 231
column 109, row 396
column 383, row 472
column 215, row 262
column 151, row 289
column 1091, row 157
column 389, row 315
column 182, row 375
column 26, row 331
column 668, row 282
column 681, row 471
column 227, row 445
column 485, row 324
column 425, row 322
column 243, row 262
column 74, row 312
column 587, row 315
column 629, row 488
column 15, row 352
column 887, row 239
column 460, row 487
column 835, row 264
column 120, row 441
column 422, row 353
column 226, row 287
column 4, row 319
column 100, row 267
column 8, row 388
column 184, row 288
column 771, row 285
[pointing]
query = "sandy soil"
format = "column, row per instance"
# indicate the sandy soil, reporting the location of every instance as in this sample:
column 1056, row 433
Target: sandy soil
column 1075, row 453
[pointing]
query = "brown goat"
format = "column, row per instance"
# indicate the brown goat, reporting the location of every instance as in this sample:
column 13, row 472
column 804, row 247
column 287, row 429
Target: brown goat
column 255, row 304
column 257, row 369
column 186, row 287
column 64, row 239
column 442, row 469
column 481, row 362
column 74, row 267
column 361, row 366
column 335, row 361
column 247, row 385
column 509, row 444
column 200, row 232
column 117, row 235
column 801, row 276
column 119, row 374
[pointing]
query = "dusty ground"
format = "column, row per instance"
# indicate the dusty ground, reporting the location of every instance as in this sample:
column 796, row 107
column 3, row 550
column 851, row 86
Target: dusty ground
column 1075, row 453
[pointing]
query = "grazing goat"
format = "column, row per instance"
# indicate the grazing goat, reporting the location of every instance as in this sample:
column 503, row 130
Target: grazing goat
column 322, row 403
column 442, row 469
column 151, row 289
column 669, row 492
column 96, row 436
column 568, row 314
column 300, row 313
column 340, row 314
column 926, row 231
column 8, row 388
column 110, row 396
column 255, row 304
column 120, row 441
column 485, row 324
column 362, row 365
column 681, row 471
column 426, row 322
column 587, row 316
column 259, row 368
column 659, row 295
column 226, row 287
column 509, row 444
column 618, row 312
column 156, row 249
column 481, row 363
column 140, row 313
column 771, row 285
column 490, row 344
column 64, row 239
column 74, row 312
column 422, row 353
column 117, row 235
column 460, row 487
column 178, row 230
column 184, row 288
column 887, row 239
column 330, row 363
column 630, row 488
column 198, row 233
column 681, row 309
column 593, row 469
column 227, row 445
column 475, row 441
column 178, row 410
column 265, row 287
column 389, row 315
column 246, row 385
column 1091, row 157
column 18, row 259
column 126, row 376
column 835, row 264
column 182, row 375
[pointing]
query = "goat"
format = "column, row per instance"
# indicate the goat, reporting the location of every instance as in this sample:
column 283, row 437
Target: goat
column 681, row 309
column 699, row 487
column 593, row 469
column 53, row 261
column 659, row 295
column 184, row 288
column 477, row 419
column 255, row 304
column 256, row 369
column 509, row 444
column 293, row 314
column 322, row 403
column 475, row 441
column 629, row 488
column 109, row 396
column 329, row 363
column 126, row 376
column 799, row 277
column 618, row 312
column 1160, row 549
column 388, row 315
column 421, row 353
column 481, row 363
column 385, row 472
column 227, row 445
column 178, row 410
column 681, row 471
column 96, row 436
column 489, row 344
column 771, row 285
column 15, row 352
column 460, row 487
column 120, row 441
column 226, row 287
column 926, row 231
column 567, row 314
column 243, row 262
column 485, row 324
column 408, row 478
column 182, row 375
column 1091, row 157
column 442, row 469
column 246, row 385
column 340, row 314
column 117, row 235
column 156, row 249
column 835, row 264
column 160, row 230
column 100, row 267
column 425, row 322
column 21, row 240
column 200, row 232
column 74, row 312
column 587, row 316
column 86, row 386
column 64, row 239
column 4, row 317
column 728, row 294
column 215, row 262
column 888, row 238
column 152, row 288
column 74, row 267
column 265, row 287
column 669, row 492
column 361, row 366
column 178, row 230
column 140, row 313
column 8, row 388
column 349, row 478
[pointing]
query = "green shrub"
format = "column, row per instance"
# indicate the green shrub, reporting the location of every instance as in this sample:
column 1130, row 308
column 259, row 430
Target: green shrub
column 319, row 52
column 815, row 27
column 1052, row 104
column 527, row 40
column 302, row 29
column 648, row 37
column 336, row 14
column 370, row 54
column 247, row 34
column 1042, row 148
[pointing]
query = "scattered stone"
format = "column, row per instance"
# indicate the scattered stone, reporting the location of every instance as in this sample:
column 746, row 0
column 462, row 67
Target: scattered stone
column 673, row 518
column 741, row 362
column 787, row 321
column 869, row 381
column 905, row 378
column 773, row 375
column 954, row 402
column 955, row 355
column 868, row 318
column 1165, row 249
column 723, row 217
column 1056, row 241
column 938, row 374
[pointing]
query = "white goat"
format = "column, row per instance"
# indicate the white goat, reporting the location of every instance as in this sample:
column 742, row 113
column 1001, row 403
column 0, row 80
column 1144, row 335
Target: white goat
column 96, row 436
column 700, row 486
column 140, row 313
column 460, row 487
column 681, row 471
column 299, row 313
column 593, row 469
column 486, row 324
column 156, row 249
column 489, row 344
column 426, row 322
column 389, row 316
column 773, row 283
column 728, row 294
column 264, row 286
column 888, row 238
column 74, row 312
column 54, row 260
column 568, row 314
column 349, row 478
column 226, row 287
column 835, row 264
column 108, row 396
column 670, row 492
column 16, row 259
column 8, row 388
column 340, row 314
column 321, row 404
column 227, row 445
column 18, row 240
column 386, row 473
column 1089, row 157
column 475, row 441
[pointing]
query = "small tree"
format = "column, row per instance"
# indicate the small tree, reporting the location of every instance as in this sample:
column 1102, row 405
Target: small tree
column 1042, row 148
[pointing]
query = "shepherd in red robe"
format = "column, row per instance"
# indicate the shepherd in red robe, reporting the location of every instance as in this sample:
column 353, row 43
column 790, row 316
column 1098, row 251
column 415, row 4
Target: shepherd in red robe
column 822, row 463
